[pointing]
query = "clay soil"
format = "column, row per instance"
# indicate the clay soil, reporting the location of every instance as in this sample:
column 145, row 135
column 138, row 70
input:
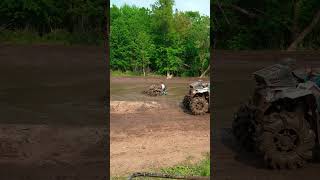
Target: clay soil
column 233, row 84
column 52, row 123
column 150, row 133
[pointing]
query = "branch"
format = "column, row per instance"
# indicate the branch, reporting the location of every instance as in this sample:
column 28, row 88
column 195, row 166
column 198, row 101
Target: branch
column 251, row 14
column 225, row 17
column 205, row 72
column 186, row 65
column 305, row 32
column 236, row 8
column 244, row 11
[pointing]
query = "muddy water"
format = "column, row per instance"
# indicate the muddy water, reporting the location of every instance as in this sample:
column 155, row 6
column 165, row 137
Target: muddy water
column 233, row 84
column 130, row 89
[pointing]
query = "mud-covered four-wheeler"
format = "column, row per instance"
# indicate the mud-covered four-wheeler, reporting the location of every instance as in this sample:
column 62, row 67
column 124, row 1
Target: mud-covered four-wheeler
column 155, row 90
column 197, row 99
column 281, row 120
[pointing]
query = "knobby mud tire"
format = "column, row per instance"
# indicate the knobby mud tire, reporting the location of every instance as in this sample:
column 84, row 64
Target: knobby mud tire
column 186, row 102
column 199, row 106
column 286, row 142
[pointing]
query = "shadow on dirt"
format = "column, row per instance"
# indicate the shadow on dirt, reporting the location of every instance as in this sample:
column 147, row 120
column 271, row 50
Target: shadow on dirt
column 240, row 155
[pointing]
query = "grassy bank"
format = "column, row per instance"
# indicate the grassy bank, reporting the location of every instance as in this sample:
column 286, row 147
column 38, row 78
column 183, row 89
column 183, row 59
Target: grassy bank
column 201, row 168
column 54, row 37
column 114, row 73
column 131, row 74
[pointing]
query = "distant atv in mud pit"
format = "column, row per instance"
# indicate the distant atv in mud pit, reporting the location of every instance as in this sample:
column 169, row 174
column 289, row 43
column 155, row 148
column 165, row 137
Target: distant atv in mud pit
column 281, row 121
column 155, row 90
column 197, row 99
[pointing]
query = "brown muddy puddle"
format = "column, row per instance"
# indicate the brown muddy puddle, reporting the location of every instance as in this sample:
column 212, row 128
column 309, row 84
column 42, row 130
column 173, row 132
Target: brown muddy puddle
column 130, row 89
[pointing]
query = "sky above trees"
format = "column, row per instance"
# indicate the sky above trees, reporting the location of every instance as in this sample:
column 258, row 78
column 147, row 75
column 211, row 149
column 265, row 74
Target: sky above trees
column 203, row 6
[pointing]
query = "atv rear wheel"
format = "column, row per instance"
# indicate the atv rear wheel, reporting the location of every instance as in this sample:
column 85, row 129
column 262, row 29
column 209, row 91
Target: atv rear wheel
column 199, row 105
column 243, row 127
column 286, row 141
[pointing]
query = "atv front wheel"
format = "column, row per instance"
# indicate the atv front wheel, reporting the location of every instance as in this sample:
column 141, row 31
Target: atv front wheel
column 286, row 141
column 243, row 127
column 186, row 102
column 199, row 105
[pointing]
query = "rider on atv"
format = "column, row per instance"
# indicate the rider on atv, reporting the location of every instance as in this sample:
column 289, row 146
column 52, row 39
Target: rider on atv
column 163, row 88
column 306, row 74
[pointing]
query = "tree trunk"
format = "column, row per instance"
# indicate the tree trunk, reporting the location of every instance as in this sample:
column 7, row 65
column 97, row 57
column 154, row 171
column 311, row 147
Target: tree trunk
column 295, row 27
column 169, row 75
column 144, row 69
column 305, row 32
column 205, row 72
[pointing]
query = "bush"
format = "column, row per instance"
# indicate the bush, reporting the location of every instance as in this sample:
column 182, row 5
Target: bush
column 58, row 36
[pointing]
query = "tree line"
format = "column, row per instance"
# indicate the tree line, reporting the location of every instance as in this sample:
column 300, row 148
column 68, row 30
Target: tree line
column 266, row 24
column 80, row 21
column 159, row 40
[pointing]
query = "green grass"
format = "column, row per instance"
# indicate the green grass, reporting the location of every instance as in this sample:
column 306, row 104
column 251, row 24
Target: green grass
column 187, row 169
column 115, row 73
column 201, row 168
column 121, row 74
column 55, row 37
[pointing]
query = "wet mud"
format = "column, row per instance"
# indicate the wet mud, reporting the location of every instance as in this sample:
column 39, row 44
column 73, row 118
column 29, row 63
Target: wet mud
column 52, row 123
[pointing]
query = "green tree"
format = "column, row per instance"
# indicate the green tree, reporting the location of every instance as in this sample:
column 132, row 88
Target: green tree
column 144, row 50
column 79, row 20
column 250, row 24
column 159, row 40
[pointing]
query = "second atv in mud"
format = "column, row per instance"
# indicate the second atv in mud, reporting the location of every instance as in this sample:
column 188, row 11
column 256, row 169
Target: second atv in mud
column 156, row 90
column 281, row 121
column 197, row 99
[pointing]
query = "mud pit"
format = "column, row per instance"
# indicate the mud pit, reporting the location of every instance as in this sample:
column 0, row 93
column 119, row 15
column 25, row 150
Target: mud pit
column 120, row 107
column 148, row 133
column 233, row 84
column 52, row 118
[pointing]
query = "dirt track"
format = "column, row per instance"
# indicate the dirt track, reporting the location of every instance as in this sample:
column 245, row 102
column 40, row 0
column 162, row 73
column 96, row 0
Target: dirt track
column 233, row 84
column 158, row 133
column 52, row 117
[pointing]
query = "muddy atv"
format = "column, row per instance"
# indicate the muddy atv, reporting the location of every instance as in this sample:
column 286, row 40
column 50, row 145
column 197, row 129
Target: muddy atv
column 197, row 99
column 154, row 90
column 281, row 120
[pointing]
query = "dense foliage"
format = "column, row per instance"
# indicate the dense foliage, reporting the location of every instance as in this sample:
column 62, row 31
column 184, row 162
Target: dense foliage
column 73, row 21
column 266, row 24
column 159, row 40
